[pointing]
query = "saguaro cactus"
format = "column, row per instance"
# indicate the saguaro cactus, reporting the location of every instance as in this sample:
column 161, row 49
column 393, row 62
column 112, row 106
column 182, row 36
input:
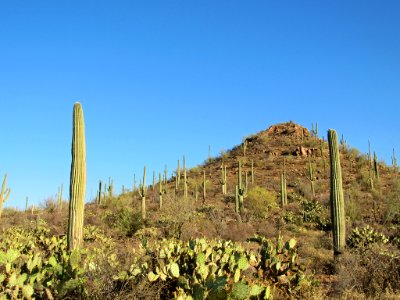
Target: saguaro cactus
column 185, row 183
column 241, row 188
column 161, row 190
column 394, row 161
column 134, row 183
column 77, row 188
column 110, row 187
column 283, row 187
column 337, row 199
column 99, row 195
column 223, row 179
column 244, row 146
column 311, row 177
column 143, row 193
column 178, row 174
column 59, row 196
column 237, row 201
column 376, row 168
column 165, row 174
column 4, row 194
column 204, row 186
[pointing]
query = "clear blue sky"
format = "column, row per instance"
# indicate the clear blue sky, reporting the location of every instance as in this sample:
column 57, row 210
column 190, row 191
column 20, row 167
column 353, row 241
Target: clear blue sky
column 162, row 79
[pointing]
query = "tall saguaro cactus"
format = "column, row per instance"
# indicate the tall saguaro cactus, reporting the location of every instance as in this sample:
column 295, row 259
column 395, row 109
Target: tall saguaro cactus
column 134, row 183
column 143, row 193
column 4, row 194
column 185, row 183
column 376, row 168
column 394, row 161
column 223, row 178
column 161, row 190
column 77, row 188
column 337, row 199
column 241, row 189
column 178, row 175
column 99, row 193
column 59, row 196
column 283, row 186
column 204, row 186
column 311, row 177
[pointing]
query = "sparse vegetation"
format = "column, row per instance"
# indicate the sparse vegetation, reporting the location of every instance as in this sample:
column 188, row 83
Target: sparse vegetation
column 238, row 242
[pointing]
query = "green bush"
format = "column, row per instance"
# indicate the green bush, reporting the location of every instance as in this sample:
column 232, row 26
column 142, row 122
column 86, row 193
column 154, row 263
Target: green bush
column 260, row 201
column 125, row 220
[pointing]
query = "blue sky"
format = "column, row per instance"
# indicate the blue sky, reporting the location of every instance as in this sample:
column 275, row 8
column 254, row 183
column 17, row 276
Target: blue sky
column 162, row 79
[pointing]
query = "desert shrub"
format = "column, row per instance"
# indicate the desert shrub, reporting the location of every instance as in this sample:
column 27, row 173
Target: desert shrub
column 392, row 201
column 353, row 198
column 260, row 201
column 361, row 239
column 125, row 220
column 50, row 205
column 174, row 214
column 373, row 273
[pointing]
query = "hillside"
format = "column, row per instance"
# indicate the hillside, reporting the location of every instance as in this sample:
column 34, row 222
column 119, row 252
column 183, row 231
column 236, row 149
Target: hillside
column 368, row 269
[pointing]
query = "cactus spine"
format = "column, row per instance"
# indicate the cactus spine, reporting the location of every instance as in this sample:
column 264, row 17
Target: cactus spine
column 143, row 193
column 337, row 199
column 77, row 187
column 5, row 193
column 223, row 179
